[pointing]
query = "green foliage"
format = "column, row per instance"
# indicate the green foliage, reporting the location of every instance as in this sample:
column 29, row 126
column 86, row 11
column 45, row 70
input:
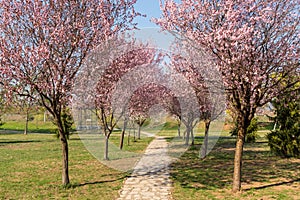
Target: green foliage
column 251, row 133
column 147, row 122
column 171, row 125
column 286, row 141
column 68, row 121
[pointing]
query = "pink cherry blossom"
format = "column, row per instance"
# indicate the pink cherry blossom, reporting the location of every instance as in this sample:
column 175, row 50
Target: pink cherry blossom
column 255, row 45
column 43, row 45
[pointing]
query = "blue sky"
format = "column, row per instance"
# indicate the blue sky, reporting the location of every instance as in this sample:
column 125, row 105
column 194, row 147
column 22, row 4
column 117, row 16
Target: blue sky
column 148, row 31
column 151, row 9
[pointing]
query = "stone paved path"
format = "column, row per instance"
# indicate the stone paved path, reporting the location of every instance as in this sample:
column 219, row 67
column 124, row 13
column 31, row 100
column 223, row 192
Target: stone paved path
column 150, row 178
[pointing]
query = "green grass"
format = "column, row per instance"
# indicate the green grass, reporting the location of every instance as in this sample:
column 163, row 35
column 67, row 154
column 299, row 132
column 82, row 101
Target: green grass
column 136, row 146
column 30, row 168
column 264, row 176
column 33, row 126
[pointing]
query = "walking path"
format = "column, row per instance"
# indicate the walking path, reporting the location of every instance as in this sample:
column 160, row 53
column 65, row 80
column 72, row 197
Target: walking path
column 150, row 178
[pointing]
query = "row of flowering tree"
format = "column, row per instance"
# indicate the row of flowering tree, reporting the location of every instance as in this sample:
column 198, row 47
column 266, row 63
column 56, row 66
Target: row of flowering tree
column 254, row 43
column 44, row 43
column 152, row 94
column 98, row 81
column 123, row 79
column 192, row 64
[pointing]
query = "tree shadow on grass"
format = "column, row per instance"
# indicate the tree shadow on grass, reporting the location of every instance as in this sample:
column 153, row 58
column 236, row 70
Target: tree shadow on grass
column 274, row 184
column 191, row 172
column 30, row 131
column 215, row 172
column 98, row 182
column 2, row 143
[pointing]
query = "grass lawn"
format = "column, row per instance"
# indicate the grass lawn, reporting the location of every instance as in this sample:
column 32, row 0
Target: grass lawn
column 33, row 126
column 30, row 168
column 264, row 176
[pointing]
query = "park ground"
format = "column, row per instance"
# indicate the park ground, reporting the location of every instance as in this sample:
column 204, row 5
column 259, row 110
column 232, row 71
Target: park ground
column 30, row 168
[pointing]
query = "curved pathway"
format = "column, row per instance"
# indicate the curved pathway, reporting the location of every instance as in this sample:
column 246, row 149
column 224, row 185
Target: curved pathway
column 150, row 178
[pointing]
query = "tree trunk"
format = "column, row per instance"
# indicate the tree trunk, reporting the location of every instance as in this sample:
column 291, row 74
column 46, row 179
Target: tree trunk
column 274, row 127
column 26, row 122
column 237, row 173
column 106, row 149
column 134, row 134
column 45, row 117
column 139, row 131
column 122, row 139
column 128, row 138
column 178, row 130
column 205, row 142
column 187, row 136
column 123, row 135
column 192, row 135
column 65, row 153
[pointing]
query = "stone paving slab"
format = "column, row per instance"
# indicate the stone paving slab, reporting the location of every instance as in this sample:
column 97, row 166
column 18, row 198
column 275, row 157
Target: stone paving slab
column 150, row 179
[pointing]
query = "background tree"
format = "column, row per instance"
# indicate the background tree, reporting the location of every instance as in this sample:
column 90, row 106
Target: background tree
column 285, row 141
column 172, row 105
column 144, row 98
column 1, row 106
column 25, row 105
column 251, row 133
column 43, row 45
column 25, row 102
column 255, row 44
column 96, row 85
column 192, row 65
column 139, row 105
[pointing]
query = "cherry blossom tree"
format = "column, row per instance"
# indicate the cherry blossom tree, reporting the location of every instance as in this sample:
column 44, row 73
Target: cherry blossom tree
column 255, row 44
column 25, row 104
column 105, row 67
column 43, row 45
column 197, row 83
column 184, row 105
column 2, row 102
column 108, row 114
column 207, row 86
column 146, row 97
column 172, row 106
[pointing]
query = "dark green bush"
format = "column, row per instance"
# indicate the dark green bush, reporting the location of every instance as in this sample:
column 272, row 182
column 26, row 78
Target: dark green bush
column 285, row 143
column 67, row 120
column 251, row 133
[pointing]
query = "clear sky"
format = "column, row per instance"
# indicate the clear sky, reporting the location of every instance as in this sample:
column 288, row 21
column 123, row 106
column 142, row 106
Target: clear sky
column 151, row 9
column 148, row 31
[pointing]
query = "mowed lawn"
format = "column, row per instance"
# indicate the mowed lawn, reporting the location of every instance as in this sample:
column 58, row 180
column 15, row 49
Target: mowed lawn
column 30, row 168
column 265, row 176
